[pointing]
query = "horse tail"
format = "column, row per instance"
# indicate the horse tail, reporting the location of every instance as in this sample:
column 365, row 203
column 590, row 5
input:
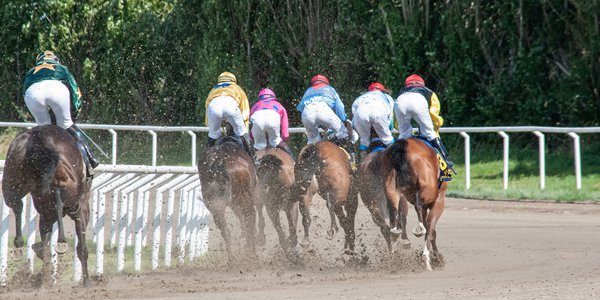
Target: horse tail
column 43, row 160
column 308, row 163
column 397, row 156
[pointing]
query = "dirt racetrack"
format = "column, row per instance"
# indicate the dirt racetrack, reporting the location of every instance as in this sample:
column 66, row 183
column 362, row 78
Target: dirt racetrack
column 492, row 250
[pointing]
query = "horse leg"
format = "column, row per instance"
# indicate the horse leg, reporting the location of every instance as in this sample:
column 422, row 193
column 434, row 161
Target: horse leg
column 420, row 230
column 81, row 220
column 404, row 241
column 273, row 212
column 350, row 206
column 42, row 248
column 291, row 212
column 305, row 211
column 61, row 244
column 377, row 215
column 218, row 212
column 433, row 216
column 331, row 207
column 261, row 238
column 393, row 197
column 16, row 204
column 246, row 199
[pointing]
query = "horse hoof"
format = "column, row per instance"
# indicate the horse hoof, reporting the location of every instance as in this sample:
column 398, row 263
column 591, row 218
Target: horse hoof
column 305, row 243
column 395, row 231
column 348, row 252
column 261, row 241
column 38, row 249
column 404, row 243
column 61, row 248
column 419, row 231
column 17, row 254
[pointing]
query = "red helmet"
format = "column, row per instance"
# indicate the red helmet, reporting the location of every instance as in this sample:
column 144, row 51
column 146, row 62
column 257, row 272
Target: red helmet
column 414, row 80
column 376, row 86
column 319, row 79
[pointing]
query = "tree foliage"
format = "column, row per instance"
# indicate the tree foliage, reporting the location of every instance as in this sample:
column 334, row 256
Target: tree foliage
column 153, row 62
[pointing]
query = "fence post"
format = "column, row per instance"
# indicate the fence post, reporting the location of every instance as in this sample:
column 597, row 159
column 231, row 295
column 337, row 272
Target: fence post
column 114, row 146
column 542, row 155
column 193, row 135
column 4, row 226
column 31, row 229
column 505, row 158
column 154, row 147
column 467, row 159
column 577, row 154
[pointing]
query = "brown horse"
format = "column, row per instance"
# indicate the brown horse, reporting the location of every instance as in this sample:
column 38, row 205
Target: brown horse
column 410, row 171
column 330, row 165
column 275, row 182
column 228, row 178
column 46, row 162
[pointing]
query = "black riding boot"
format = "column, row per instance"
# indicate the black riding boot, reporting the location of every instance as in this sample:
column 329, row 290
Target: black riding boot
column 88, row 157
column 437, row 143
column 211, row 142
column 283, row 146
column 248, row 147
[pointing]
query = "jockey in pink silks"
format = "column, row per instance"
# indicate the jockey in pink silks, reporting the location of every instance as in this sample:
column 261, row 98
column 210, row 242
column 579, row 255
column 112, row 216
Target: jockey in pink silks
column 269, row 122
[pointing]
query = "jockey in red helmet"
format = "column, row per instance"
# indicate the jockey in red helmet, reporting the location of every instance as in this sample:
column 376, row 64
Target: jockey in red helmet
column 373, row 109
column 418, row 102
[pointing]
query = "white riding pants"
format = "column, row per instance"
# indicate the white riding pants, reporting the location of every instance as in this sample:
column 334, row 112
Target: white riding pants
column 410, row 106
column 320, row 114
column 49, row 93
column 369, row 112
column 224, row 108
column 266, row 128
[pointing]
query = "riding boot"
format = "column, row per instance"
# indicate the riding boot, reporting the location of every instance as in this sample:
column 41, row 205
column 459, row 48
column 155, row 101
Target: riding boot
column 283, row 146
column 437, row 143
column 211, row 142
column 248, row 147
column 88, row 157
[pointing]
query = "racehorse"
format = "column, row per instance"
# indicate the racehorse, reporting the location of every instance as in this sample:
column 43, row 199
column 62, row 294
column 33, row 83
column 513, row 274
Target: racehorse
column 46, row 162
column 330, row 165
column 411, row 171
column 228, row 178
column 275, row 182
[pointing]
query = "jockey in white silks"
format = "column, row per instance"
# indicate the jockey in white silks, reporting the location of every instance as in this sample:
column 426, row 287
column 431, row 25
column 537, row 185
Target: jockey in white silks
column 373, row 110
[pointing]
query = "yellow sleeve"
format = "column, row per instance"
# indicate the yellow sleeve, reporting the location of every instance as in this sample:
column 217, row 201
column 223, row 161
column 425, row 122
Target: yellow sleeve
column 434, row 112
column 244, row 106
column 207, row 102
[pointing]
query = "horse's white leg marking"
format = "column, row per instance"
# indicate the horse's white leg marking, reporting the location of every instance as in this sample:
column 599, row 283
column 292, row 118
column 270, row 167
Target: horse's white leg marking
column 427, row 258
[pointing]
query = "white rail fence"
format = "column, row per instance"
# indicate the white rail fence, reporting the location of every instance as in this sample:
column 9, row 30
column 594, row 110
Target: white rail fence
column 129, row 210
column 465, row 132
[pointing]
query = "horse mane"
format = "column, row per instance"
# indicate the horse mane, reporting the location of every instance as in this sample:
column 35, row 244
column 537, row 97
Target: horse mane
column 42, row 159
column 397, row 156
column 308, row 163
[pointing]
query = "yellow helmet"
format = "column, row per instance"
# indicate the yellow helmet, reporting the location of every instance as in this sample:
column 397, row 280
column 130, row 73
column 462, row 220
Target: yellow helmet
column 227, row 77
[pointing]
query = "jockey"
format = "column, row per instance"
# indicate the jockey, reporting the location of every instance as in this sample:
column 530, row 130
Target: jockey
column 373, row 109
column 50, row 85
column 418, row 102
column 269, row 121
column 227, row 101
column 321, row 106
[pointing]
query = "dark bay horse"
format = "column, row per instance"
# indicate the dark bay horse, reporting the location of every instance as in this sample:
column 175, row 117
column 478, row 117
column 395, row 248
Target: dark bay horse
column 411, row 170
column 330, row 165
column 275, row 182
column 46, row 162
column 228, row 178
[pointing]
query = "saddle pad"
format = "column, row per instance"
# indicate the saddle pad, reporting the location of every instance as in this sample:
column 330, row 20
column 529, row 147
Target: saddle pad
column 353, row 165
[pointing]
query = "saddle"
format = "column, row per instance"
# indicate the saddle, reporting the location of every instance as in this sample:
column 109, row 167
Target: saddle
column 445, row 172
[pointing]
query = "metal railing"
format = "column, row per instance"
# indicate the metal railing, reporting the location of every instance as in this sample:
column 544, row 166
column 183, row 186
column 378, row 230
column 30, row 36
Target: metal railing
column 538, row 131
